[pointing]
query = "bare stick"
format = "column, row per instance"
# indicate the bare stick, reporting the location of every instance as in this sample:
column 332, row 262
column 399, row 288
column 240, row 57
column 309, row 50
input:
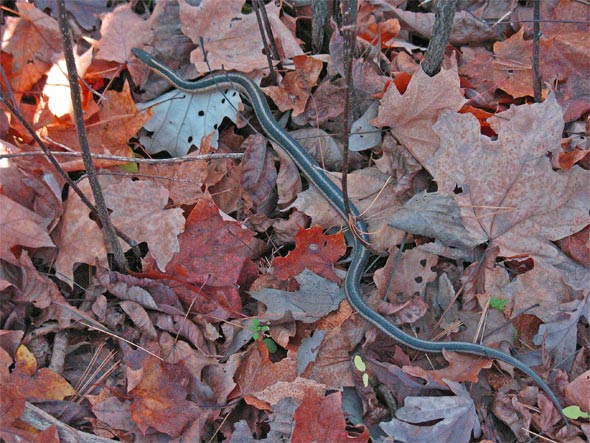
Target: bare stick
column 443, row 23
column 108, row 231
column 536, row 50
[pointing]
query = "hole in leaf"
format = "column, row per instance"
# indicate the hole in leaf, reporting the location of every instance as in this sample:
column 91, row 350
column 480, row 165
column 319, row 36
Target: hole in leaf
column 458, row 190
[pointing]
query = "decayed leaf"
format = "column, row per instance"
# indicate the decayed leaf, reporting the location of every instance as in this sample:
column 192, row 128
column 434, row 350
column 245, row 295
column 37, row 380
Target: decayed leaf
column 315, row 298
column 414, row 272
column 412, row 114
column 321, row 419
column 508, row 193
column 314, row 251
column 232, row 40
column 132, row 204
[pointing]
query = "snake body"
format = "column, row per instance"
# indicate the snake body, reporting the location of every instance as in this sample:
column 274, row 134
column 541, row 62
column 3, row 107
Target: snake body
column 331, row 192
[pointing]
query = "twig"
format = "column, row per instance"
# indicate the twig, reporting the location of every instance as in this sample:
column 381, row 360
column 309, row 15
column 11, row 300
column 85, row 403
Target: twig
column 443, row 23
column 149, row 161
column 349, row 8
column 536, row 50
column 108, row 231
column 41, row 420
column 261, row 27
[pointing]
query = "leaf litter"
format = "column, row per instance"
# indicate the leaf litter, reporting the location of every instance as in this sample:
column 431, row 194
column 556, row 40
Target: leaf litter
column 491, row 188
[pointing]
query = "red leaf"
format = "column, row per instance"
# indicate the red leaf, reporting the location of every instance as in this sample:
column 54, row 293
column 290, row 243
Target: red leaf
column 313, row 250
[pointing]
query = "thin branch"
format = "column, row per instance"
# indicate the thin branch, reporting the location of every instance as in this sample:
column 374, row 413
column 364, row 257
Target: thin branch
column 536, row 50
column 108, row 231
column 149, row 161
column 349, row 8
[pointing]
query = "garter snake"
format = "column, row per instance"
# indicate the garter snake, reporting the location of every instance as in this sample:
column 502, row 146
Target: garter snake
column 331, row 192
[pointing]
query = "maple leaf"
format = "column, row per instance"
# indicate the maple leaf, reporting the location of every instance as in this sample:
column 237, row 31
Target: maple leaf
column 461, row 368
column 214, row 254
column 412, row 114
column 314, row 251
column 118, row 121
column 507, row 190
column 33, row 39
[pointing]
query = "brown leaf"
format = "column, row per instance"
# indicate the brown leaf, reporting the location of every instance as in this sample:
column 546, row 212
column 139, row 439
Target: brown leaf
column 33, row 39
column 413, row 274
column 131, row 203
column 232, row 39
column 412, row 114
column 20, row 227
column 118, row 121
column 159, row 399
column 214, row 254
column 374, row 196
column 257, row 372
column 461, row 368
column 576, row 391
column 321, row 419
column 37, row 384
column 295, row 89
column 120, row 31
column 508, row 193
column 259, row 176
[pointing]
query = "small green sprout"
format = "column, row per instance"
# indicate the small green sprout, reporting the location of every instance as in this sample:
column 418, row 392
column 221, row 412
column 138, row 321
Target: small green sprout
column 574, row 412
column 259, row 330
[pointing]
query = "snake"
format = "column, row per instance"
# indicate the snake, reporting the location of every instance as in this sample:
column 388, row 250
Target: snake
column 225, row 81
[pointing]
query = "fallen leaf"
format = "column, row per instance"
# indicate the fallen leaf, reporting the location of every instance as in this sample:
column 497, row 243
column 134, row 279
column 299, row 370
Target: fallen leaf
column 159, row 399
column 454, row 417
column 295, row 89
column 321, row 419
column 315, row 251
column 411, row 116
column 316, row 298
column 232, row 40
column 461, row 368
column 508, row 193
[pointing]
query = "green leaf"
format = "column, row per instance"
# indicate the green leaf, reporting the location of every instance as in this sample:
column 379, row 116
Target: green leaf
column 270, row 345
column 498, row 303
column 359, row 363
column 574, row 412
